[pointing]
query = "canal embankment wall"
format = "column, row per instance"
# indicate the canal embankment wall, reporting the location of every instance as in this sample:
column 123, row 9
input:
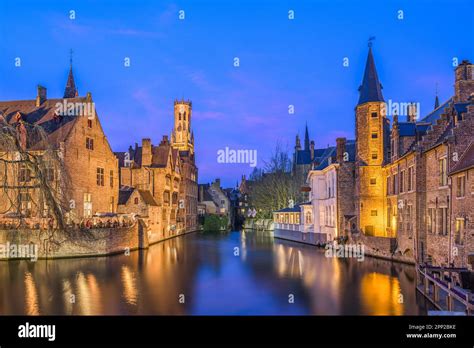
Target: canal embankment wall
column 382, row 248
column 259, row 224
column 76, row 243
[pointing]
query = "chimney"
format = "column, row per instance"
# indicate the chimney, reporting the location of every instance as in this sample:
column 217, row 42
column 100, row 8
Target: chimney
column 464, row 81
column 217, row 183
column 311, row 147
column 146, row 152
column 41, row 96
column 412, row 112
column 201, row 193
column 340, row 149
column 165, row 140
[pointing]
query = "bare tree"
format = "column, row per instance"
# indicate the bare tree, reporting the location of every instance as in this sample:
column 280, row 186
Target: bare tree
column 33, row 183
column 275, row 186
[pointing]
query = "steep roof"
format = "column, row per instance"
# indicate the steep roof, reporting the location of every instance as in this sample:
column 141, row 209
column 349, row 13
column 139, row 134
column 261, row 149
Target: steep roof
column 126, row 192
column 466, row 161
column 436, row 113
column 70, row 91
column 371, row 89
column 323, row 161
column 54, row 128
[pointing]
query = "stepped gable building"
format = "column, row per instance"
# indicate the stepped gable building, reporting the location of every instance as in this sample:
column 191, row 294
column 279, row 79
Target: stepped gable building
column 168, row 172
column 153, row 169
column 71, row 127
column 403, row 198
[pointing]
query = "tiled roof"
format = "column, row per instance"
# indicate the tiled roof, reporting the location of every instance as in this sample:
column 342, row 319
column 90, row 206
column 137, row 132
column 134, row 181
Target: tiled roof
column 303, row 157
column 322, row 161
column 124, row 195
column 56, row 128
column 435, row 114
column 295, row 209
column 466, row 161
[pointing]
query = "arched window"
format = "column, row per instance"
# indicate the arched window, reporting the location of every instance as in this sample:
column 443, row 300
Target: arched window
column 136, row 200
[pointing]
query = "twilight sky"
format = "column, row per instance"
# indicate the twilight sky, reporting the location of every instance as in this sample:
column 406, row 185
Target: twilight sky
column 282, row 62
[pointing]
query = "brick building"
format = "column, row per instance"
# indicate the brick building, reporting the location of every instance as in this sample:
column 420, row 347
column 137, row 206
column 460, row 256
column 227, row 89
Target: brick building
column 403, row 191
column 168, row 172
column 69, row 129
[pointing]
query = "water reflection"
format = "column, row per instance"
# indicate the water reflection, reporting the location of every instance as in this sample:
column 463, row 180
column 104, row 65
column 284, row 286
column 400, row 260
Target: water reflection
column 205, row 271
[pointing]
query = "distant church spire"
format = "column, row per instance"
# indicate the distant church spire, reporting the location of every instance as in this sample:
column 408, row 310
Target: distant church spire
column 306, row 138
column 371, row 89
column 71, row 90
column 436, row 99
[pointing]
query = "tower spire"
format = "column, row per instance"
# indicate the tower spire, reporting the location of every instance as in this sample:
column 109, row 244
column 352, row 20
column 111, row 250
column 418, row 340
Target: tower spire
column 70, row 91
column 306, row 138
column 436, row 99
column 371, row 88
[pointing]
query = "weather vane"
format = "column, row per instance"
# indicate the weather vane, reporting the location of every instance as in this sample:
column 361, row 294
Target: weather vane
column 372, row 38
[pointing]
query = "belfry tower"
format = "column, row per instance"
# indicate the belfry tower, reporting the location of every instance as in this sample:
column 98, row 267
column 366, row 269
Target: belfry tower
column 372, row 129
column 182, row 137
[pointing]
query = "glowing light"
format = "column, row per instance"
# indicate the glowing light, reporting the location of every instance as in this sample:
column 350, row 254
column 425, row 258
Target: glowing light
column 31, row 295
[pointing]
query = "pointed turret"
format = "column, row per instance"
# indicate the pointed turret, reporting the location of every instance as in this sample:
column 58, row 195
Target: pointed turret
column 298, row 143
column 371, row 89
column 306, row 138
column 436, row 99
column 70, row 91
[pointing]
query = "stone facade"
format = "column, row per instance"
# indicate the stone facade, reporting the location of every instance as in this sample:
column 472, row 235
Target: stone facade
column 86, row 181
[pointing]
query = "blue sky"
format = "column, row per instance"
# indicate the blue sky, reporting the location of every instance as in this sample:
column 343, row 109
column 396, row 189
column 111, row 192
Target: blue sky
column 282, row 62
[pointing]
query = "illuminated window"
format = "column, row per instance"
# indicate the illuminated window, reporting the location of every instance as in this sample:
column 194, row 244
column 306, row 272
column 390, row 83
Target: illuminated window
column 410, row 178
column 460, row 186
column 100, row 176
column 459, row 232
column 443, row 178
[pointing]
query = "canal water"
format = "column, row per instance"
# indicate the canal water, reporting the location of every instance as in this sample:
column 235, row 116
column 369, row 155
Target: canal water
column 228, row 273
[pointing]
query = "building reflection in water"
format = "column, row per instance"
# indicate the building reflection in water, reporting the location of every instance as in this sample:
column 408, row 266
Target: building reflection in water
column 129, row 286
column 381, row 294
column 204, row 268
column 31, row 295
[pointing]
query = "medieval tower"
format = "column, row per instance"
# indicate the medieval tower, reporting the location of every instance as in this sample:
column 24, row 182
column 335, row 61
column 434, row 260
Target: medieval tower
column 182, row 137
column 372, row 129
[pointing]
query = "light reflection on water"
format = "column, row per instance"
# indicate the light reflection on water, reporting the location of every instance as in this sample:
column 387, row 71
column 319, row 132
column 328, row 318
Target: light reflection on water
column 206, row 271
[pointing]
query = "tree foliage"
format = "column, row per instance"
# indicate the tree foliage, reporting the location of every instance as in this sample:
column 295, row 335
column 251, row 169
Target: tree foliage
column 275, row 185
